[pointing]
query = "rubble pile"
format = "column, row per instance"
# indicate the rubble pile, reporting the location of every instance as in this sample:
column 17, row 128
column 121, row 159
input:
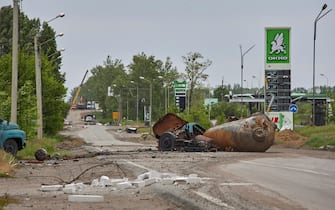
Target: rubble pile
column 104, row 184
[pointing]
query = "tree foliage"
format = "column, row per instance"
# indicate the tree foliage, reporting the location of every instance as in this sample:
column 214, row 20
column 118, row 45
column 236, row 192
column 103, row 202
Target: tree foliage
column 53, row 80
column 194, row 71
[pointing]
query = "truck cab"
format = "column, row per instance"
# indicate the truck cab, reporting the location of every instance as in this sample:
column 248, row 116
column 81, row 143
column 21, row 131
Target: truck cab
column 12, row 139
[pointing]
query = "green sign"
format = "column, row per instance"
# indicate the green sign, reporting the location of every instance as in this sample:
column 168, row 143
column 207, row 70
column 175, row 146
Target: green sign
column 180, row 85
column 277, row 50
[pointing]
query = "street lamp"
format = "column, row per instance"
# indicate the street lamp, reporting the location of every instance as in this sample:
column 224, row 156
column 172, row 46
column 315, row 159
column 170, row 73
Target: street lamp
column 323, row 75
column 150, row 110
column 37, row 49
column 58, row 51
column 136, row 99
column 242, row 56
column 165, row 93
column 119, row 104
column 315, row 22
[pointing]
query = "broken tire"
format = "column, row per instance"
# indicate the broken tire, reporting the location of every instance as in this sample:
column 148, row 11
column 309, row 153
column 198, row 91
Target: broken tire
column 166, row 142
column 41, row 154
column 11, row 146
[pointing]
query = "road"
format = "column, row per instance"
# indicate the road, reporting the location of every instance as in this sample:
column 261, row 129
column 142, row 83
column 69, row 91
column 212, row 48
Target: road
column 307, row 180
column 98, row 136
column 277, row 179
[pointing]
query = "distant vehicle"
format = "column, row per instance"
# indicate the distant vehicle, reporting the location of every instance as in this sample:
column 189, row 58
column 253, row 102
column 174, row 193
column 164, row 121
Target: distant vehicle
column 12, row 139
column 89, row 119
column 238, row 96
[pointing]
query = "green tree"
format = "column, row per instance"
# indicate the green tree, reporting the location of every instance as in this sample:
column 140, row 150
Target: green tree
column 194, row 71
column 149, row 68
column 52, row 79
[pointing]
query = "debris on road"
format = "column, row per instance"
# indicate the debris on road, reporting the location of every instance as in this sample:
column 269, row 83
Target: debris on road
column 104, row 184
column 253, row 134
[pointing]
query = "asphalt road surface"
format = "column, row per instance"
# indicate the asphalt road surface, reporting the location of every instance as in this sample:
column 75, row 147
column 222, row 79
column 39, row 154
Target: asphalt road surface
column 98, row 136
column 309, row 181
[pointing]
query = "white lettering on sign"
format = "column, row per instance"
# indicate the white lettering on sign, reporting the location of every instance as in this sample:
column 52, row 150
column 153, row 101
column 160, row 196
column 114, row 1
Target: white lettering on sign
column 277, row 58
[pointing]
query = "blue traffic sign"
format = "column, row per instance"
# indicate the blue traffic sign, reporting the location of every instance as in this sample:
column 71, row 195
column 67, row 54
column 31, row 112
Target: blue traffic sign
column 293, row 108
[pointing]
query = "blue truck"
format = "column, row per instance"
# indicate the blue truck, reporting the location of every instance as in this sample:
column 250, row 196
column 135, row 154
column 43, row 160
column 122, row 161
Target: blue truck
column 12, row 139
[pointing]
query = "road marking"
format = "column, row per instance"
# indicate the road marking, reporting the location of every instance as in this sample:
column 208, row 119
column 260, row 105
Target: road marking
column 213, row 200
column 285, row 167
column 137, row 165
column 236, row 184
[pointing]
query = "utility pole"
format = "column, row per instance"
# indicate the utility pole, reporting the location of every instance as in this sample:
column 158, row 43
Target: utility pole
column 38, row 88
column 15, row 58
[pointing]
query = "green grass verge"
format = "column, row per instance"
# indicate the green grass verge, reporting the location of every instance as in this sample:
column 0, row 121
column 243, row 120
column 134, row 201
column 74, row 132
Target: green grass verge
column 48, row 143
column 318, row 135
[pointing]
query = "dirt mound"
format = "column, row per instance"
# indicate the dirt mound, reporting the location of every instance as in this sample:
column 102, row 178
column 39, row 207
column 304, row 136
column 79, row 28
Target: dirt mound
column 289, row 138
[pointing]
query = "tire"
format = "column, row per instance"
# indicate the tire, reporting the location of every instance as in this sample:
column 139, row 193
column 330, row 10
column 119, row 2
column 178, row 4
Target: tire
column 11, row 146
column 166, row 142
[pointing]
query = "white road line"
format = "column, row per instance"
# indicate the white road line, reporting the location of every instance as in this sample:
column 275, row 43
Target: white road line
column 213, row 200
column 285, row 167
column 137, row 165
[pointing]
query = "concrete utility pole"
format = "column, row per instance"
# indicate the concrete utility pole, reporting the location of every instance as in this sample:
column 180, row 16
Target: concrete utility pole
column 15, row 56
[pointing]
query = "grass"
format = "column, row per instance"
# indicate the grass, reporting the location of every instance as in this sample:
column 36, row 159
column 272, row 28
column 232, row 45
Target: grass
column 5, row 200
column 48, row 143
column 7, row 164
column 318, row 135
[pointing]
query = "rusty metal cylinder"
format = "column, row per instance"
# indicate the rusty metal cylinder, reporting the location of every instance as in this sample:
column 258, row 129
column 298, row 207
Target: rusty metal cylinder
column 253, row 134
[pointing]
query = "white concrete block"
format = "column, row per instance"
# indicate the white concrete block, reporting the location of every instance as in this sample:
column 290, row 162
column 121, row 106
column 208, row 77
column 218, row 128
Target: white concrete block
column 193, row 180
column 86, row 198
column 148, row 182
column 180, row 180
column 143, row 176
column 96, row 183
column 114, row 182
column 138, row 184
column 48, row 188
column 123, row 185
column 73, row 188
column 154, row 175
column 167, row 181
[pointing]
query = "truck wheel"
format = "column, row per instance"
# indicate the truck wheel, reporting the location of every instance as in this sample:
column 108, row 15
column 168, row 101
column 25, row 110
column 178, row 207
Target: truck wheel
column 11, row 146
column 166, row 142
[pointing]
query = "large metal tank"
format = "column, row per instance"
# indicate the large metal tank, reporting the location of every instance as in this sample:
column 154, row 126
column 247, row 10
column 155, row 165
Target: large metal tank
column 253, row 134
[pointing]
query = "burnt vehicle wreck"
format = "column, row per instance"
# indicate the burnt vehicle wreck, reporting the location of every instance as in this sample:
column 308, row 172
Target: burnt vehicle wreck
column 253, row 134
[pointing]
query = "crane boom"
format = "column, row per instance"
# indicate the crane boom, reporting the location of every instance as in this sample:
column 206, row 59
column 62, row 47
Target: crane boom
column 74, row 101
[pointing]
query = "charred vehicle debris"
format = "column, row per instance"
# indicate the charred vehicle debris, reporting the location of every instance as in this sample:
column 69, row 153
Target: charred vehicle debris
column 253, row 134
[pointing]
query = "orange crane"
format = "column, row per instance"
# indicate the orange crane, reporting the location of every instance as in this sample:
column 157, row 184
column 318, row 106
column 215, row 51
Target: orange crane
column 75, row 98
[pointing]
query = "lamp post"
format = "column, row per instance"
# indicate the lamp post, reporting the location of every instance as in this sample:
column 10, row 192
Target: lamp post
column 323, row 75
column 133, row 82
column 242, row 56
column 318, row 17
column 119, row 104
column 165, row 93
column 58, row 51
column 37, row 49
column 150, row 110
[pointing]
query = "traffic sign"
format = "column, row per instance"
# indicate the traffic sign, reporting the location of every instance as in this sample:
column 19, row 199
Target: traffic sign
column 293, row 108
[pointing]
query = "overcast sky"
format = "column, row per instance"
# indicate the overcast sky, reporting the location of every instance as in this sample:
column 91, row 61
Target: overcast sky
column 172, row 28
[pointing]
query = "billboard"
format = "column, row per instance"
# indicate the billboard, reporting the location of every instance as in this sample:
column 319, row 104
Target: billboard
column 277, row 48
